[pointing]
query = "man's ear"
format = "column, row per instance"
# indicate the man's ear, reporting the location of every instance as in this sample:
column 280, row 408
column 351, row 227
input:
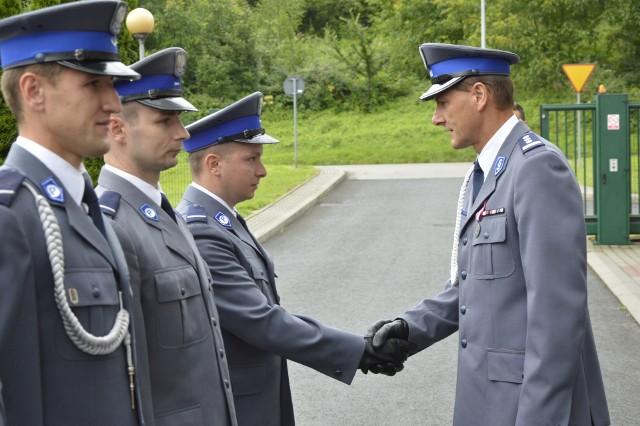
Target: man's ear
column 481, row 95
column 212, row 163
column 32, row 90
column 117, row 129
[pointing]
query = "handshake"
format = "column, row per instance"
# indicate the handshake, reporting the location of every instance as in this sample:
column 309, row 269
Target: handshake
column 386, row 347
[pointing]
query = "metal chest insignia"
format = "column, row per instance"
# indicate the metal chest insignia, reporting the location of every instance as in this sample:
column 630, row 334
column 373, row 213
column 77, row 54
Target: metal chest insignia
column 223, row 220
column 52, row 190
column 149, row 212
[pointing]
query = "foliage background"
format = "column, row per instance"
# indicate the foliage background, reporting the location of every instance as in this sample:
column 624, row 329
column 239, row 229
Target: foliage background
column 360, row 63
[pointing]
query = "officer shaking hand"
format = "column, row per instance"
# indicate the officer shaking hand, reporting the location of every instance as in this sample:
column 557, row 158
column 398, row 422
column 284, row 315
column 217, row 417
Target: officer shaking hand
column 517, row 293
column 225, row 155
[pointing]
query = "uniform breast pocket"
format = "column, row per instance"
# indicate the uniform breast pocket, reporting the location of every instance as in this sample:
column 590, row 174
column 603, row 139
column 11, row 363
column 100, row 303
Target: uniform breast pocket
column 181, row 317
column 260, row 276
column 93, row 298
column 492, row 254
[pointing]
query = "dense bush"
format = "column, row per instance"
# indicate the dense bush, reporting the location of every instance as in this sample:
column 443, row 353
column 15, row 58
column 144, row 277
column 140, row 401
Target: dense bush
column 361, row 55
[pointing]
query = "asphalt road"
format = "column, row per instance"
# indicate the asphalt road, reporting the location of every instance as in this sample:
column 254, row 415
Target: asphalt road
column 374, row 248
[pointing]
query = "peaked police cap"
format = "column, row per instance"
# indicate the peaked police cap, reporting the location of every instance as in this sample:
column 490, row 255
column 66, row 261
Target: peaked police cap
column 80, row 35
column 238, row 122
column 160, row 83
column 449, row 64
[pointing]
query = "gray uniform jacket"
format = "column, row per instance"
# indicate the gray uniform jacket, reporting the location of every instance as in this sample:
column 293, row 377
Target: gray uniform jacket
column 190, row 383
column 258, row 333
column 46, row 380
column 526, row 352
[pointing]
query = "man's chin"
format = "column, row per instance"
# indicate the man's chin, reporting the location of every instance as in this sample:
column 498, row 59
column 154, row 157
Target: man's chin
column 98, row 149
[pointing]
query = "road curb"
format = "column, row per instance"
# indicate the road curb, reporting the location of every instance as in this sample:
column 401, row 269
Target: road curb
column 272, row 219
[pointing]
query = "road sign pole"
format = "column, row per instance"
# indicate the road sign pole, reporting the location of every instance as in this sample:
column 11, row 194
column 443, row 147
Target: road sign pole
column 579, row 137
column 294, row 86
column 295, row 124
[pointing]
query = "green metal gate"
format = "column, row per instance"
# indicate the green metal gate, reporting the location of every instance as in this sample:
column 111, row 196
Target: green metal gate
column 602, row 142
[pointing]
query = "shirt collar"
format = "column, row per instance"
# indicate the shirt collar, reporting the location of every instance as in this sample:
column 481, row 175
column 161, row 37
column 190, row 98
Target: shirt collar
column 215, row 197
column 488, row 154
column 155, row 194
column 71, row 178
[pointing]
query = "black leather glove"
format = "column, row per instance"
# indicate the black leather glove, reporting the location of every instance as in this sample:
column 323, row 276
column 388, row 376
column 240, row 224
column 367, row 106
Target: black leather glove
column 375, row 327
column 385, row 330
column 388, row 359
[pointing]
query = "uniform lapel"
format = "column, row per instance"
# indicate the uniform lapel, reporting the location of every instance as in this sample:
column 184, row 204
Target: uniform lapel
column 78, row 219
column 498, row 167
column 213, row 208
column 219, row 214
column 151, row 213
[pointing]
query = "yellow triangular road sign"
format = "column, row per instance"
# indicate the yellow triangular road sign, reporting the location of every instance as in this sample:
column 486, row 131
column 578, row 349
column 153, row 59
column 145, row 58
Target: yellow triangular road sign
column 578, row 74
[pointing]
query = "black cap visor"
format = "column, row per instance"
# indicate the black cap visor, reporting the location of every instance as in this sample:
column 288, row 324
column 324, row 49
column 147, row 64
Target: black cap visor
column 110, row 68
column 169, row 104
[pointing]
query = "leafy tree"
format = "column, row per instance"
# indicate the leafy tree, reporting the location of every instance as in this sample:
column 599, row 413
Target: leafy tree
column 320, row 15
column 222, row 53
column 358, row 53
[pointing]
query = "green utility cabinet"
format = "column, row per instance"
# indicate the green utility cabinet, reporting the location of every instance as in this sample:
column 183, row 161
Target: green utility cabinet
column 612, row 169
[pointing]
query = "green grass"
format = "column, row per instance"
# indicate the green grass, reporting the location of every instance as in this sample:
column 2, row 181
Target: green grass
column 398, row 133
column 280, row 179
column 401, row 132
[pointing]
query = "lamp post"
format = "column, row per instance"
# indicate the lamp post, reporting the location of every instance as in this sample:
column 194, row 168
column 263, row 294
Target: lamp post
column 140, row 24
column 483, row 32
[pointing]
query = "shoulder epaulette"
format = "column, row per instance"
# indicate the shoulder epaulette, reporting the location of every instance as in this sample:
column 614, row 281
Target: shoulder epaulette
column 529, row 142
column 195, row 213
column 109, row 203
column 10, row 181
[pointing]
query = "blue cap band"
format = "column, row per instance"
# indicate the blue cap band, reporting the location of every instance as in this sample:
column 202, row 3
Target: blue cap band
column 210, row 136
column 483, row 65
column 27, row 47
column 149, row 82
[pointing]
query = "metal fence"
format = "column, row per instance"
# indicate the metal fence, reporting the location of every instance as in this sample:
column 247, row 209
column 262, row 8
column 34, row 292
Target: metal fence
column 573, row 129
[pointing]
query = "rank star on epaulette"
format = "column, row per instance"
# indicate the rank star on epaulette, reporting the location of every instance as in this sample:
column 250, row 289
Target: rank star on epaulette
column 527, row 142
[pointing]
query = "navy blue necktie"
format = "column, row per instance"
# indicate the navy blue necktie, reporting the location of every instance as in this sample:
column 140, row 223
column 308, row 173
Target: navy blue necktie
column 166, row 206
column 91, row 200
column 243, row 223
column 478, row 180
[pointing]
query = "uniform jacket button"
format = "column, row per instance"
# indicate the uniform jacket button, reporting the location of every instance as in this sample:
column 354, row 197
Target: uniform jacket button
column 221, row 353
column 463, row 343
column 95, row 292
column 463, row 275
column 226, row 383
column 485, row 235
column 463, row 309
column 338, row 373
column 464, row 241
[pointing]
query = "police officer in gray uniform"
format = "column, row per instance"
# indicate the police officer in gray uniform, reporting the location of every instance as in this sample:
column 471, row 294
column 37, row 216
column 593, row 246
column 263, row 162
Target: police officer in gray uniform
column 187, row 364
column 225, row 152
column 517, row 294
column 2, row 414
column 66, row 356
